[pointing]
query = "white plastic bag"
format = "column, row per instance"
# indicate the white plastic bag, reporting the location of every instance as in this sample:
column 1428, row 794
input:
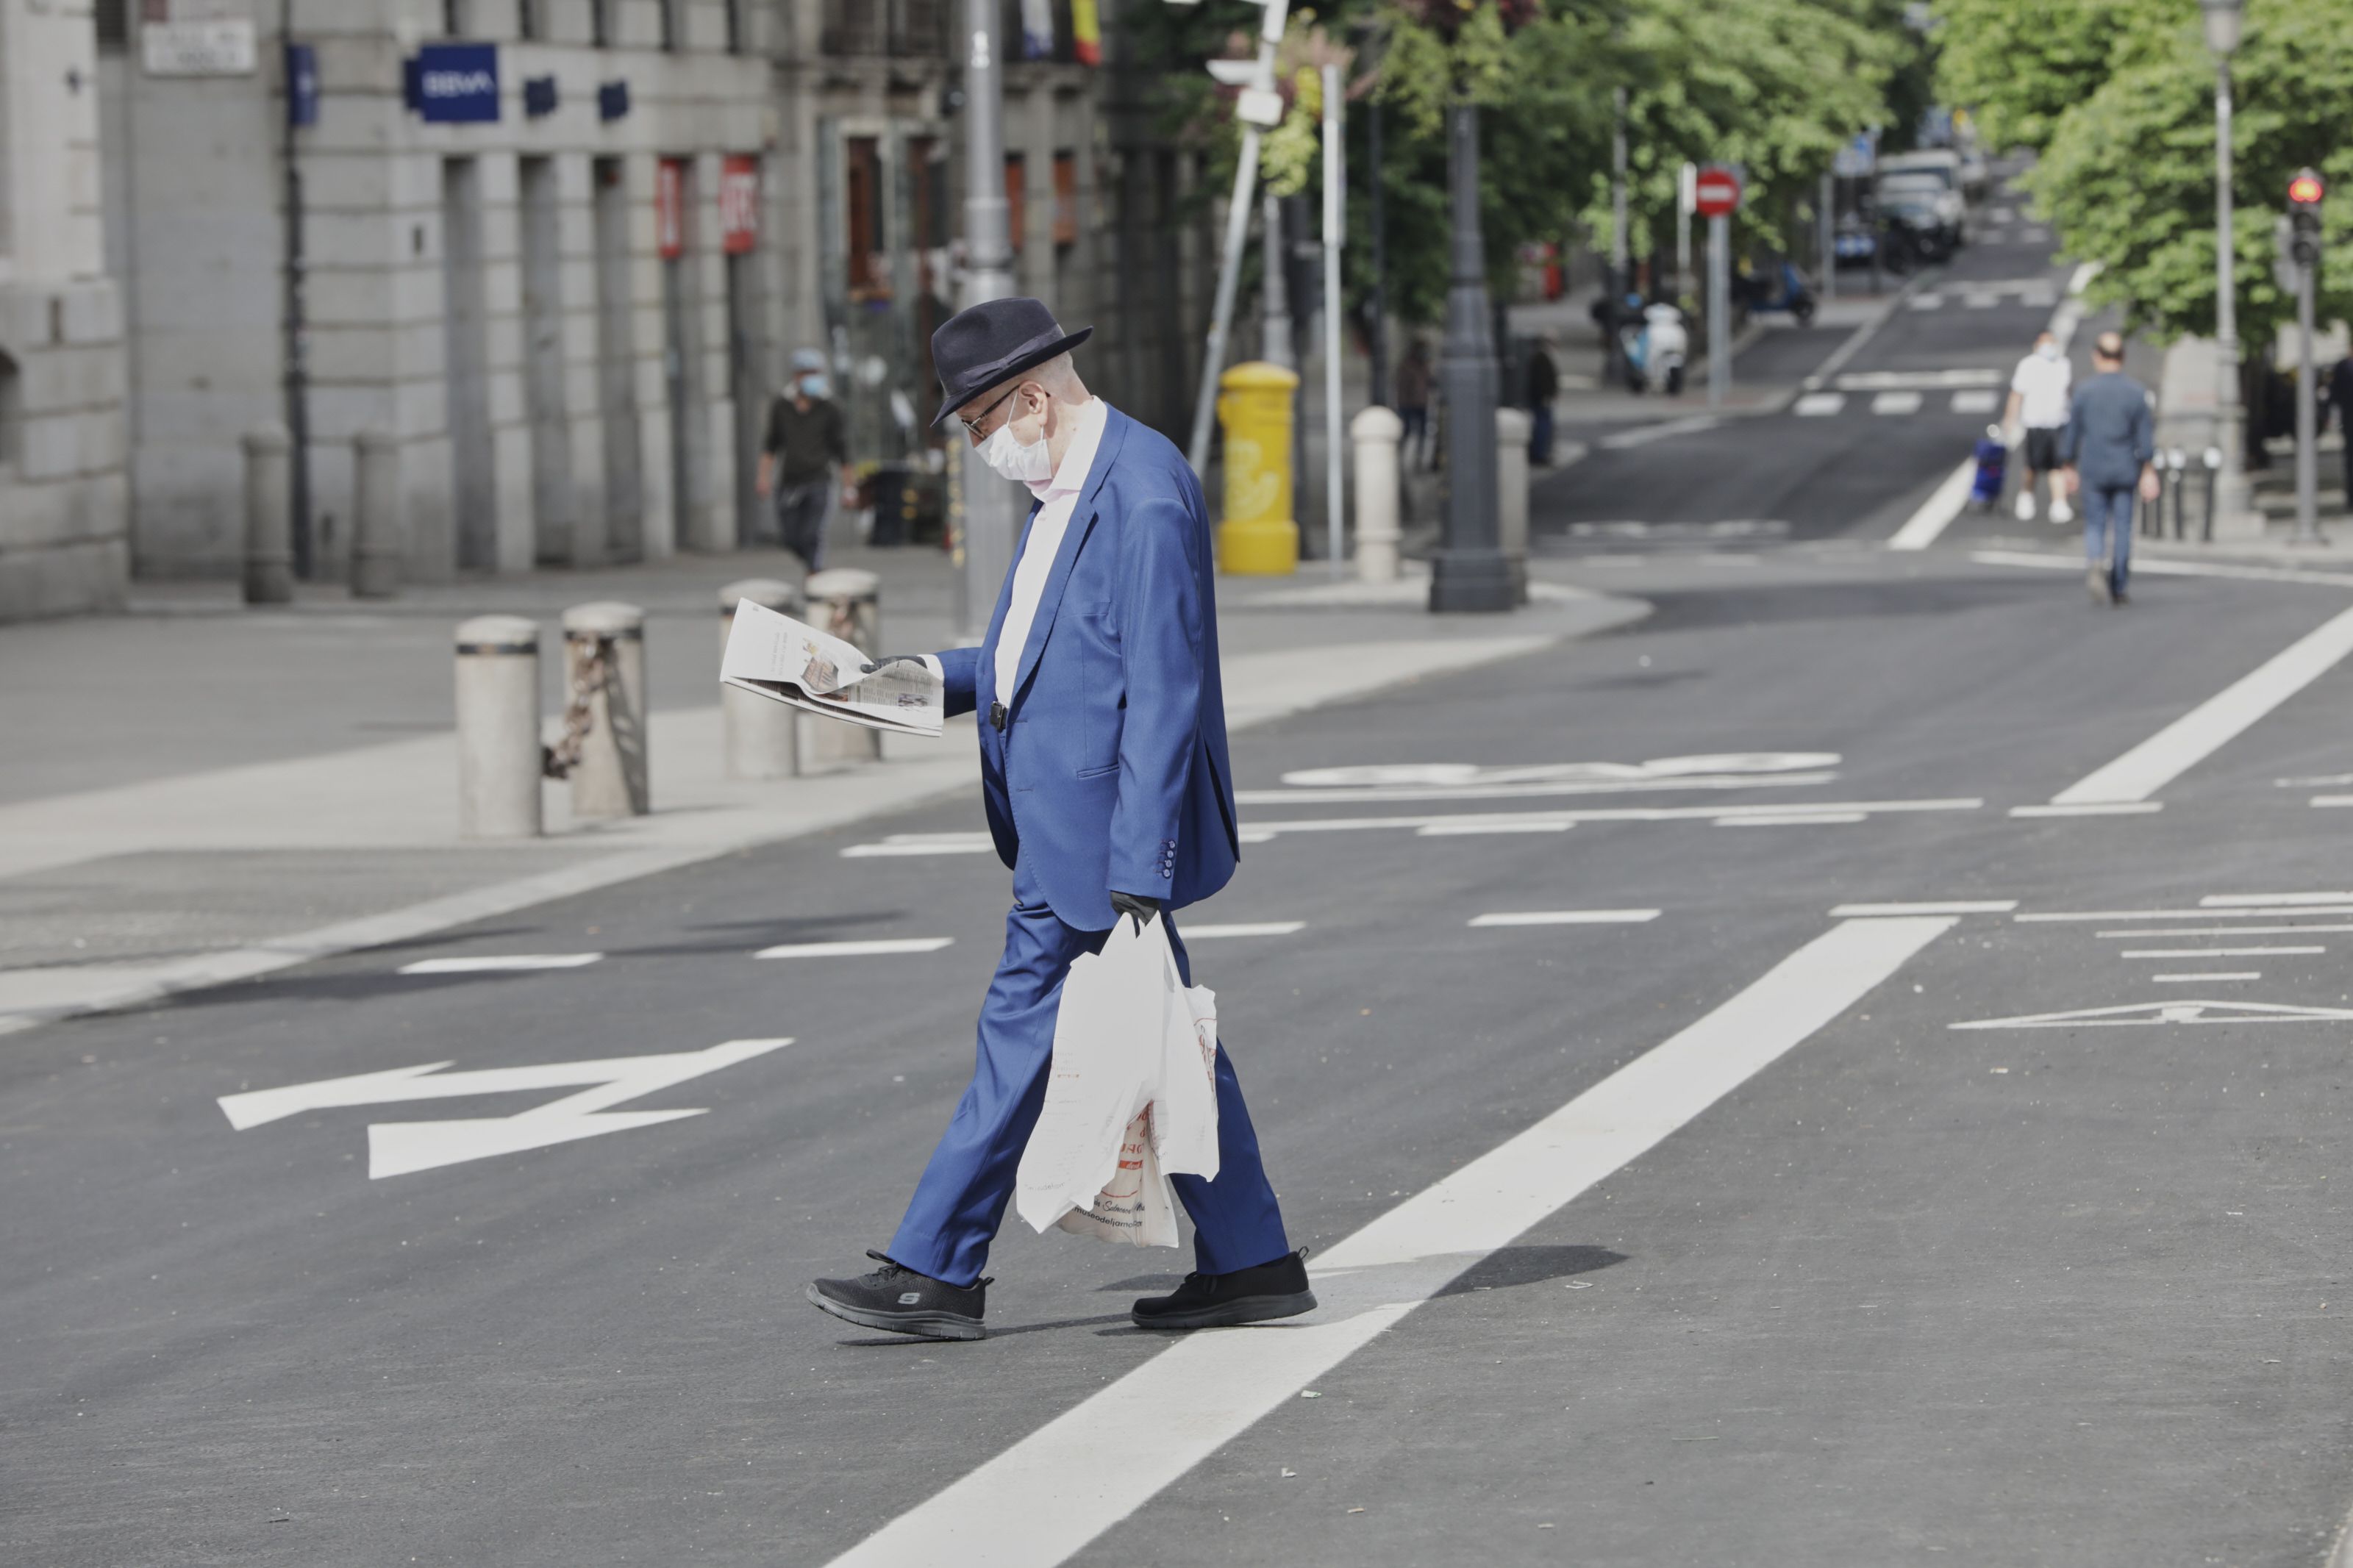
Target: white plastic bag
column 1131, row 1097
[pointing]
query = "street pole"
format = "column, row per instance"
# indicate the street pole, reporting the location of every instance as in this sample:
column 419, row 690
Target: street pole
column 1380, row 300
column 2308, row 421
column 1827, row 220
column 1686, row 193
column 1274, row 294
column 984, row 539
column 2235, row 513
column 1258, row 109
column 1618, row 248
column 1335, row 190
column 1470, row 572
column 1719, row 310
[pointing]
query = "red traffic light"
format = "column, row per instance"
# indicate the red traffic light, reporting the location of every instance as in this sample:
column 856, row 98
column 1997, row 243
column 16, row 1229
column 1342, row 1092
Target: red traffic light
column 2306, row 190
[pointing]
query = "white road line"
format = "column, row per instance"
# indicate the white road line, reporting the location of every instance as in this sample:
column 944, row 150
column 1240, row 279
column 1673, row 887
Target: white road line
column 1044, row 1498
column 1535, row 790
column 877, row 948
column 2111, row 808
column 2002, row 215
column 1815, row 405
column 1481, row 829
column 1242, row 928
column 2215, row 722
column 2033, row 234
column 1982, row 400
column 1981, row 301
column 1950, row 907
column 2178, row 914
column 1646, row 435
column 1895, row 403
column 2329, row 800
column 2217, row 974
column 2221, row 931
column 1916, row 380
column 1928, row 301
column 2264, row 900
column 1609, row 813
column 514, row 960
column 1565, row 918
column 924, row 844
column 1795, row 820
column 2215, row 952
column 1937, row 512
column 2158, row 566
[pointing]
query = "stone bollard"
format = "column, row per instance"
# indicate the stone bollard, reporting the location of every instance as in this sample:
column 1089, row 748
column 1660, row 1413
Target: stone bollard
column 757, row 739
column 378, row 542
column 268, row 515
column 498, row 728
column 1376, row 433
column 1513, row 428
column 847, row 603
column 605, row 706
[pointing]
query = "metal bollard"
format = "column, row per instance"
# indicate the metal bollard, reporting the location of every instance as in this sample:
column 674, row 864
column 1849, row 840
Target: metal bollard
column 1513, row 428
column 847, row 603
column 498, row 728
column 2177, row 463
column 1376, row 433
column 268, row 515
column 2213, row 466
column 602, row 752
column 378, row 542
column 757, row 739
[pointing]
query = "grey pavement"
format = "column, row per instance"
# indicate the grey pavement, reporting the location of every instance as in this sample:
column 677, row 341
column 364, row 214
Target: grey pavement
column 2016, row 1245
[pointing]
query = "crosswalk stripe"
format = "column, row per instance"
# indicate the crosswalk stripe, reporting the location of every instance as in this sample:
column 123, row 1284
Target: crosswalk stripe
column 875, row 948
column 1816, row 404
column 508, row 962
column 1979, row 402
column 1895, row 403
column 1242, row 928
column 1565, row 918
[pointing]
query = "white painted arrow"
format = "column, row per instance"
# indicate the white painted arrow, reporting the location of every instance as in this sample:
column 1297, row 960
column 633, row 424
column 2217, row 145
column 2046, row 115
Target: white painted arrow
column 399, row 1148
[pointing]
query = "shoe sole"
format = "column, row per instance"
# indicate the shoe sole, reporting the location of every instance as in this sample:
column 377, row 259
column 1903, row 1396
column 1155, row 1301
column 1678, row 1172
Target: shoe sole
column 920, row 1325
column 1232, row 1314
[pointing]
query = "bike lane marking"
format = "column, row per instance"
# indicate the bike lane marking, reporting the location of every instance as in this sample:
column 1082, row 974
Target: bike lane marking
column 1049, row 1495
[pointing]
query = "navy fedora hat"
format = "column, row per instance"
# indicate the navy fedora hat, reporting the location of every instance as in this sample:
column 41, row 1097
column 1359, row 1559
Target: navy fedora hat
column 977, row 348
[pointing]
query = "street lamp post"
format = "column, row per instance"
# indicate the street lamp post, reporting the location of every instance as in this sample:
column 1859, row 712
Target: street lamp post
column 984, row 537
column 2234, row 508
column 1470, row 572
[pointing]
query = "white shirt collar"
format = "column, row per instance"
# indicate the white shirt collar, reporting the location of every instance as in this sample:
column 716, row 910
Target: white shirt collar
column 1080, row 458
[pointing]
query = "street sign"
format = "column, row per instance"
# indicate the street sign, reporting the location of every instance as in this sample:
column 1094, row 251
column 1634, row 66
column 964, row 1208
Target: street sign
column 670, row 208
column 401, row 1148
column 1717, row 193
column 739, row 204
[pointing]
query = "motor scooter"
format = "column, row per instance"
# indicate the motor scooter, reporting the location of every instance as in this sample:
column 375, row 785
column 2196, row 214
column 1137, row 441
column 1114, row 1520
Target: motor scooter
column 1655, row 350
column 1782, row 288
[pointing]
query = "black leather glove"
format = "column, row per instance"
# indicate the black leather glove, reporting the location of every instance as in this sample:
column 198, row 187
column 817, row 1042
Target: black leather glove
column 1141, row 908
column 890, row 658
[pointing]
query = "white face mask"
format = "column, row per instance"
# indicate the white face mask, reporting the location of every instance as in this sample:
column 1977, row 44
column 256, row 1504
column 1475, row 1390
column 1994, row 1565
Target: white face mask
column 2048, row 350
column 1031, row 464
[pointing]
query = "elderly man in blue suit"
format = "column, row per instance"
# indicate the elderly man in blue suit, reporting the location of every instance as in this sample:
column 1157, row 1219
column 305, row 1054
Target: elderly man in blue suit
column 1104, row 773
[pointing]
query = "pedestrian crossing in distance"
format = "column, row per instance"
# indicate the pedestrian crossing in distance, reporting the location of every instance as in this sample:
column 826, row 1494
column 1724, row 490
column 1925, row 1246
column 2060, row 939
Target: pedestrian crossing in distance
column 2029, row 293
column 1977, row 402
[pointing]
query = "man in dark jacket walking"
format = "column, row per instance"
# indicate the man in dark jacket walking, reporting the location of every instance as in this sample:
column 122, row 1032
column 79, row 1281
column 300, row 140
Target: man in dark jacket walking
column 2340, row 394
column 2111, row 439
column 1543, row 385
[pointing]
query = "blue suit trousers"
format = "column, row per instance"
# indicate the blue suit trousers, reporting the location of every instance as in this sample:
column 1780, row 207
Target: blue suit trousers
column 961, row 1199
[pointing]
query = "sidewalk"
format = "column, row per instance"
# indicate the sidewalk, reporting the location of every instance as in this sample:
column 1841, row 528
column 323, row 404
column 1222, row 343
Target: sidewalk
column 197, row 793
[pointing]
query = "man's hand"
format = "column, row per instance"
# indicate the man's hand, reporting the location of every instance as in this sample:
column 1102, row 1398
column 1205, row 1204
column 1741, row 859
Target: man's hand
column 890, row 658
column 2073, row 480
column 2151, row 486
column 1141, row 908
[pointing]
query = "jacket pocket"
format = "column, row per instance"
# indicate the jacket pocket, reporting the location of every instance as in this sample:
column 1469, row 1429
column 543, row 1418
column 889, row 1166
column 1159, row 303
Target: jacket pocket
column 1103, row 702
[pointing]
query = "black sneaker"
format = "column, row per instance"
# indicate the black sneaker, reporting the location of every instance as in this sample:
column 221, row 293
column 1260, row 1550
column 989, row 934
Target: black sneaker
column 900, row 1301
column 1276, row 1289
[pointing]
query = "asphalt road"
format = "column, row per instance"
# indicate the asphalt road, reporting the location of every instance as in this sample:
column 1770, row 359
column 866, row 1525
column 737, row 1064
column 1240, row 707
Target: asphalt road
column 1882, row 1257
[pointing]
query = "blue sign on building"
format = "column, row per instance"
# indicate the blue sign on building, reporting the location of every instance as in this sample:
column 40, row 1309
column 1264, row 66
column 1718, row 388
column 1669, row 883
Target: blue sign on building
column 301, row 85
column 454, row 83
column 612, row 100
column 538, row 96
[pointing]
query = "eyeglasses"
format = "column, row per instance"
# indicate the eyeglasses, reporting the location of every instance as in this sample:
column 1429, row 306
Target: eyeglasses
column 972, row 426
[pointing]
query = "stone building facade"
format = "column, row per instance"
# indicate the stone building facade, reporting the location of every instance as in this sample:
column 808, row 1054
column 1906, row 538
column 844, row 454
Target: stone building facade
column 62, row 495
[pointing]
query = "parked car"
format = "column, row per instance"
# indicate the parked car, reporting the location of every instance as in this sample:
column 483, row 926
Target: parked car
column 1932, row 194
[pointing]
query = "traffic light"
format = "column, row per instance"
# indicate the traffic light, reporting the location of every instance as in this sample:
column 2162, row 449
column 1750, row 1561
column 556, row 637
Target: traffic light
column 2305, row 191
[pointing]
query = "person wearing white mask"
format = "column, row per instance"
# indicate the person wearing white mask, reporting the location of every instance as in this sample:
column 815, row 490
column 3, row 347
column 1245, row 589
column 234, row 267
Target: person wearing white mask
column 2039, row 394
column 805, row 459
column 1107, row 788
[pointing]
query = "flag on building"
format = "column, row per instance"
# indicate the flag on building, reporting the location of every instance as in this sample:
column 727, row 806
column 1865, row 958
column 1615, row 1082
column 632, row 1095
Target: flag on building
column 1037, row 29
column 1086, row 32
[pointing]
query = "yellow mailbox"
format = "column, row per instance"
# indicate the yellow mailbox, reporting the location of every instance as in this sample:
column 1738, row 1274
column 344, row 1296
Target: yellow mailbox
column 1259, row 537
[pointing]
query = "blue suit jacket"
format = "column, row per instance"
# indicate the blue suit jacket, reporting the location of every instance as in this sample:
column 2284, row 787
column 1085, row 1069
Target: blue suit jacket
column 1111, row 769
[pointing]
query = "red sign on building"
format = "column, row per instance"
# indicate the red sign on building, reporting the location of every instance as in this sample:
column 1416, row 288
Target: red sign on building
column 739, row 204
column 669, row 207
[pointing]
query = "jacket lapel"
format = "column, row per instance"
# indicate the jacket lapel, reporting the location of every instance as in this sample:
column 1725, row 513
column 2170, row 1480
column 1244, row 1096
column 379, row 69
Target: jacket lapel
column 1083, row 521
column 986, row 686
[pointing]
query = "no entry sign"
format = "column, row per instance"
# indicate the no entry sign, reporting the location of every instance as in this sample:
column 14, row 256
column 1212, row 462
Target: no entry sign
column 1717, row 193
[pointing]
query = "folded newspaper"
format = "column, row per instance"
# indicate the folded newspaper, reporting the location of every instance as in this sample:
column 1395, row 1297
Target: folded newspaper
column 779, row 659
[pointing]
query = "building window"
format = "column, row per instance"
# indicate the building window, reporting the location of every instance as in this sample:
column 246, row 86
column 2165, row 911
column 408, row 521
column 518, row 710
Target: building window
column 600, row 23
column 735, row 26
column 453, row 18
column 1017, row 192
column 527, row 19
column 864, row 196
column 12, row 413
column 113, row 24
column 669, row 9
column 1066, row 198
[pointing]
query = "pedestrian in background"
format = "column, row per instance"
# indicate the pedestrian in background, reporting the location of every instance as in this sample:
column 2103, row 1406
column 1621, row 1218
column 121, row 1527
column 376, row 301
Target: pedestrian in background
column 805, row 459
column 1413, row 380
column 2340, row 394
column 1103, row 777
column 1543, row 385
column 2039, row 391
column 2108, row 449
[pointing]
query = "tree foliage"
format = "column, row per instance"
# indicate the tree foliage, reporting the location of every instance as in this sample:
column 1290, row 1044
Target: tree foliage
column 2121, row 113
